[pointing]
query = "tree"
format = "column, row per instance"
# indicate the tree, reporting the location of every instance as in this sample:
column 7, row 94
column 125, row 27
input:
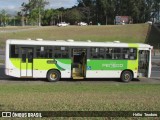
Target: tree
column 4, row 18
column 34, row 9
column 73, row 16
column 50, row 17
column 88, row 8
column 95, row 11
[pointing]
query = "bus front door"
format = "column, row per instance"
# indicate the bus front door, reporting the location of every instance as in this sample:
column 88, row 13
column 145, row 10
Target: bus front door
column 143, row 67
column 26, row 62
column 79, row 61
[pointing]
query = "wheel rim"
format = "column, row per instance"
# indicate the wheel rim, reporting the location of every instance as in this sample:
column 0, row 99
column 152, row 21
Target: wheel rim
column 127, row 77
column 53, row 76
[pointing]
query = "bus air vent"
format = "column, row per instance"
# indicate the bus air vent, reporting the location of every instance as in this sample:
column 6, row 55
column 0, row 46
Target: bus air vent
column 39, row 39
column 70, row 40
column 116, row 41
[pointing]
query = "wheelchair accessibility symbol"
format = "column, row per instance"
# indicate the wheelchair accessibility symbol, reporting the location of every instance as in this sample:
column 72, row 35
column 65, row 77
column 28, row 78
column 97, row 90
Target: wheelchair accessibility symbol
column 88, row 67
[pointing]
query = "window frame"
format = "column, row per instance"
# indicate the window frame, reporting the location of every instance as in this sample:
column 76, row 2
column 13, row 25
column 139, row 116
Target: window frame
column 61, row 52
column 111, row 51
column 11, row 50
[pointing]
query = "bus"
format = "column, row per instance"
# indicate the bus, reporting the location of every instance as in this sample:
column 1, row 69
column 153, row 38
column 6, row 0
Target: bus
column 77, row 59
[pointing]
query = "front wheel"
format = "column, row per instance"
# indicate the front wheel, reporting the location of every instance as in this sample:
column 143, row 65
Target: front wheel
column 126, row 76
column 53, row 75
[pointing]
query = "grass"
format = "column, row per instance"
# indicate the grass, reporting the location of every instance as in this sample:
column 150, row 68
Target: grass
column 79, row 96
column 83, row 96
column 125, row 33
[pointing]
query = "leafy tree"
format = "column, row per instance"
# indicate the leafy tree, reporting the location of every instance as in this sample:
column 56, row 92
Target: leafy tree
column 97, row 11
column 73, row 16
column 34, row 10
column 4, row 18
column 88, row 8
column 50, row 17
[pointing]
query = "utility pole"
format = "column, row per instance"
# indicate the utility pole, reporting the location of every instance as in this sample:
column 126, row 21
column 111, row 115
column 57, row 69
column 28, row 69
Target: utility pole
column 22, row 18
column 22, row 14
column 39, row 14
column 5, row 19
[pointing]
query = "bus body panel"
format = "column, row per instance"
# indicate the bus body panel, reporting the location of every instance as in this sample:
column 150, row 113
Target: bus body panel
column 110, row 68
column 103, row 74
column 40, row 67
column 95, row 68
column 11, row 68
column 106, row 74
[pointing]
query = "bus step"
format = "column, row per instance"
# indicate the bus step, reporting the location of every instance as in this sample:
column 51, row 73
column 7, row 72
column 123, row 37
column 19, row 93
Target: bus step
column 78, row 77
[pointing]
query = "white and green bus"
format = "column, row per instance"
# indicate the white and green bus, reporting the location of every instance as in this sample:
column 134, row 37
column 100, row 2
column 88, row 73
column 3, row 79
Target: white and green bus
column 77, row 59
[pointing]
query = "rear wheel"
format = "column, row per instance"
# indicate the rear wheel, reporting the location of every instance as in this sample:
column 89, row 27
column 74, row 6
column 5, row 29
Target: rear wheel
column 53, row 75
column 126, row 76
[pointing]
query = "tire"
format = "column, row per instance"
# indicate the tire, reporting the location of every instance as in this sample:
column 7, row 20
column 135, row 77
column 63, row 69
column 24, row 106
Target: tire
column 126, row 76
column 53, row 76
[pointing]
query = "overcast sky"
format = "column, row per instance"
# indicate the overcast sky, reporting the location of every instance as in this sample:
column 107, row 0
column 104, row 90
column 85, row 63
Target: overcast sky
column 14, row 5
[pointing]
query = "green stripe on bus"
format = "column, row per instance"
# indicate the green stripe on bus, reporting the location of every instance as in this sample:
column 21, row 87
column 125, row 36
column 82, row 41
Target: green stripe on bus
column 39, row 64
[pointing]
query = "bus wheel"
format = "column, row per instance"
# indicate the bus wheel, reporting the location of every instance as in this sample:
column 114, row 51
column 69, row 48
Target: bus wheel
column 126, row 76
column 53, row 75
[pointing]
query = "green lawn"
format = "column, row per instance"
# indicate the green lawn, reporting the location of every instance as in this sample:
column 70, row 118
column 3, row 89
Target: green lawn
column 75, row 96
column 123, row 33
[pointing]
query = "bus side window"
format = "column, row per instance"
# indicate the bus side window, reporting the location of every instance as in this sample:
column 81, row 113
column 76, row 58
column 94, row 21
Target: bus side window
column 65, row 55
column 129, row 53
column 57, row 55
column 49, row 53
column 117, row 53
column 61, row 52
column 133, row 54
column 14, row 51
column 101, row 53
column 44, row 52
column 94, row 52
column 109, row 53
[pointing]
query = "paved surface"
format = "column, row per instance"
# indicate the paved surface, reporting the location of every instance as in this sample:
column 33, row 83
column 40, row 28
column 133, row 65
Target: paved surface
column 19, row 30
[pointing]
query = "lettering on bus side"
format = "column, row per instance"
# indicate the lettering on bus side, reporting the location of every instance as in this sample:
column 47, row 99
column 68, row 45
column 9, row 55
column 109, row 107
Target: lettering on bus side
column 112, row 65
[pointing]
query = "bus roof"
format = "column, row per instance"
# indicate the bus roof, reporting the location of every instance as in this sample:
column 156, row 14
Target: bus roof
column 76, row 43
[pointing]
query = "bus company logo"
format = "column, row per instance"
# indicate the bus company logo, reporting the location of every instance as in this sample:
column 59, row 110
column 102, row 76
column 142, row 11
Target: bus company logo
column 6, row 114
column 113, row 65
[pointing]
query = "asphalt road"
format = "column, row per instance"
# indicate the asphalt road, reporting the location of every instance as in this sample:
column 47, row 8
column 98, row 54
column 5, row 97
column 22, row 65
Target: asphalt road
column 155, row 67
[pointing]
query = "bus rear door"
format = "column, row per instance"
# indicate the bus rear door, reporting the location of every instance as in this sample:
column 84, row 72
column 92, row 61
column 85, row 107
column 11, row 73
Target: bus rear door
column 26, row 62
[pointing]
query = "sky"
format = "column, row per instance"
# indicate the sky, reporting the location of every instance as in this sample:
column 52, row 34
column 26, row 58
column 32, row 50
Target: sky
column 13, row 6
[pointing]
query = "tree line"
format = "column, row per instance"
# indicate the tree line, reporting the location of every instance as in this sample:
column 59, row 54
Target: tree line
column 95, row 11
